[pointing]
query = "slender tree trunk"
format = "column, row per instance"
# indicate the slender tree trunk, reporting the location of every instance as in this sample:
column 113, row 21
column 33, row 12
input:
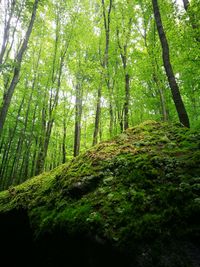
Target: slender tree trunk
column 9, row 48
column 159, row 86
column 44, row 144
column 78, row 114
column 3, row 165
column 48, row 125
column 120, row 119
column 16, row 159
column 126, row 104
column 9, row 93
column 182, row 114
column 26, row 166
column 40, row 141
column 155, row 69
column 163, row 104
column 34, row 159
column 193, row 20
column 6, row 32
column 123, row 54
column 16, row 175
column 64, row 140
column 12, row 134
column 186, row 4
column 105, row 67
column 97, row 117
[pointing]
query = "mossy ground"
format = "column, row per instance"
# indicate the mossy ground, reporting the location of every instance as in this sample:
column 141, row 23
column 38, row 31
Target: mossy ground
column 138, row 192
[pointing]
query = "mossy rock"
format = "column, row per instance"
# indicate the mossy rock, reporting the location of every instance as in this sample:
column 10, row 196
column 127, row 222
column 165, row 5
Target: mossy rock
column 131, row 201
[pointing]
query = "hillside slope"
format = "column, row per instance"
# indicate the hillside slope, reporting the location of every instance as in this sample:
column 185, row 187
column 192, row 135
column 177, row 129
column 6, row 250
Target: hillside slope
column 132, row 201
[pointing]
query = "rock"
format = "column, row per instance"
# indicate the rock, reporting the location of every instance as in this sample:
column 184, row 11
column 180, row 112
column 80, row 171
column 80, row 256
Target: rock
column 131, row 201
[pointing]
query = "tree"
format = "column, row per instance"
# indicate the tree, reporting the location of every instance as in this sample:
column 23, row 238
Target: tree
column 186, row 4
column 124, row 57
column 182, row 113
column 104, row 73
column 18, row 61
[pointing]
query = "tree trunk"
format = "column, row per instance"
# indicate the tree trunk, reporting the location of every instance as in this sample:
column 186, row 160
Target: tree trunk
column 126, row 103
column 26, row 166
column 160, row 89
column 97, row 117
column 78, row 114
column 34, row 159
column 52, row 105
column 105, row 67
column 123, row 53
column 6, row 32
column 192, row 18
column 9, row 93
column 6, row 159
column 64, row 141
column 182, row 114
column 186, row 4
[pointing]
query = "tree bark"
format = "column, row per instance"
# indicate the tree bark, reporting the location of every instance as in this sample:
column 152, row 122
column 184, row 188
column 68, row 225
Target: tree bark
column 182, row 113
column 6, row 32
column 52, row 105
column 105, row 66
column 9, row 93
column 64, row 140
column 123, row 53
column 78, row 114
column 186, row 4
column 193, row 20
column 97, row 116
column 26, row 171
column 126, row 103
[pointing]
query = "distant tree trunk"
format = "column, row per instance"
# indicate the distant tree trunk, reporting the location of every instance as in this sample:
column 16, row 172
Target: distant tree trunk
column 162, row 96
column 5, row 153
column 78, row 114
column 26, row 171
column 97, row 116
column 182, row 114
column 123, row 54
column 52, row 103
column 163, row 104
column 192, row 18
column 9, row 93
column 9, row 45
column 156, row 73
column 40, row 149
column 120, row 119
column 6, row 31
column 34, row 158
column 126, row 102
column 105, row 67
column 106, row 59
column 64, row 140
column 111, row 112
column 186, row 4
column 126, row 86
column 44, row 143
column 17, row 170
column 12, row 133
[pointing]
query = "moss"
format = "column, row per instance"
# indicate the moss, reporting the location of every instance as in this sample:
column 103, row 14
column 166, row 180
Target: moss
column 141, row 186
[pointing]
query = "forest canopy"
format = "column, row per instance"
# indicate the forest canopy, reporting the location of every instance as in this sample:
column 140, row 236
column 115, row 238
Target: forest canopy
column 76, row 72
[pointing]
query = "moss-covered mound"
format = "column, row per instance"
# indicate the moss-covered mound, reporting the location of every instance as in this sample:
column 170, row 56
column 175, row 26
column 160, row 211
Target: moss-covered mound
column 132, row 201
